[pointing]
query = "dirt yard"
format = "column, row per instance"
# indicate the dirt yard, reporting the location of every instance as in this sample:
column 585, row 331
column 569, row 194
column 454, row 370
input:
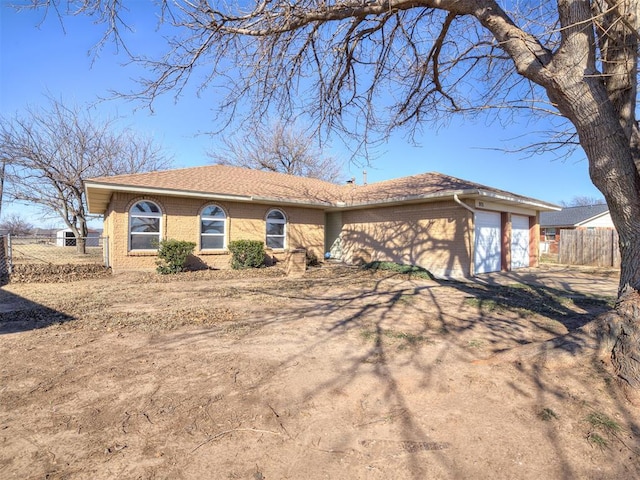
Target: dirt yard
column 341, row 374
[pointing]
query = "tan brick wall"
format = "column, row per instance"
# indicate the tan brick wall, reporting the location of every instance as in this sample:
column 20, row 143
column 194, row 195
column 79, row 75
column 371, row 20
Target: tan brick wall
column 181, row 221
column 534, row 241
column 436, row 236
column 306, row 230
column 296, row 263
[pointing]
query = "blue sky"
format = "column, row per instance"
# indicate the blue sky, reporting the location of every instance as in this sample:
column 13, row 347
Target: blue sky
column 40, row 57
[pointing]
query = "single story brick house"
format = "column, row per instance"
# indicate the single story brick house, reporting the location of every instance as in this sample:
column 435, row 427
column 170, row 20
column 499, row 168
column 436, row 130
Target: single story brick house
column 588, row 217
column 451, row 227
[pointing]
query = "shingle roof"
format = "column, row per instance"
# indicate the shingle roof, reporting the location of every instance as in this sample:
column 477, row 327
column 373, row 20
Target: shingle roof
column 256, row 185
column 425, row 184
column 228, row 180
column 572, row 216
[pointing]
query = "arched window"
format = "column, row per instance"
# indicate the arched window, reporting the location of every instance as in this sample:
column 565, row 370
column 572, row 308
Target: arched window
column 144, row 226
column 213, row 223
column 276, row 229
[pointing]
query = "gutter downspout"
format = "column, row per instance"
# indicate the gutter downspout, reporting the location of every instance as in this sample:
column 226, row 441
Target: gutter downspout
column 462, row 204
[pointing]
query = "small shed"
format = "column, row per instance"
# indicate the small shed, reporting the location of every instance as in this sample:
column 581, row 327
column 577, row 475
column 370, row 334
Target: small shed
column 66, row 238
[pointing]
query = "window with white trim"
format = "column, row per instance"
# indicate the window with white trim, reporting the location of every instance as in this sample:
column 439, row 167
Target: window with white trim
column 144, row 226
column 276, row 229
column 549, row 234
column 213, row 222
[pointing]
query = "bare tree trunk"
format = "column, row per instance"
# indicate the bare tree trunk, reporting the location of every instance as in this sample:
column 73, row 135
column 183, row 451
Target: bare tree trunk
column 609, row 149
column 81, row 233
column 81, row 245
column 625, row 356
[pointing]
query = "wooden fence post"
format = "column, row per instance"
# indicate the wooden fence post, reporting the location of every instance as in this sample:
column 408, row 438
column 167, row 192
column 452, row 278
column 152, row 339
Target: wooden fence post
column 4, row 264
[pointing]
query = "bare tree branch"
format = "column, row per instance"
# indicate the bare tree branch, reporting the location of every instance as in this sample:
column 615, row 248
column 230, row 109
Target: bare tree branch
column 16, row 225
column 278, row 148
column 49, row 152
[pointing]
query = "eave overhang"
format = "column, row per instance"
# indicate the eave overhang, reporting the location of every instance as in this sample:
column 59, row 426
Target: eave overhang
column 470, row 194
column 99, row 195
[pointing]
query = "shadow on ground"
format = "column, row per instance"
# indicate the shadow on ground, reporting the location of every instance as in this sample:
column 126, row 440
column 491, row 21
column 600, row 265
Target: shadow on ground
column 18, row 314
column 347, row 373
column 458, row 322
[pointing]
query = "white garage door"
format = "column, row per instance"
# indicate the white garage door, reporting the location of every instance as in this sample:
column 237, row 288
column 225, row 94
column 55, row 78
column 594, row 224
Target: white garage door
column 487, row 244
column 519, row 241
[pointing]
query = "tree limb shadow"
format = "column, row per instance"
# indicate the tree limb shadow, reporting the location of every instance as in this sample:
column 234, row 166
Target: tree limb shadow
column 18, row 314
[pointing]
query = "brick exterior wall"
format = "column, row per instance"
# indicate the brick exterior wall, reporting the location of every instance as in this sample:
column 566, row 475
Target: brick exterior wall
column 181, row 221
column 435, row 236
column 534, row 244
column 296, row 263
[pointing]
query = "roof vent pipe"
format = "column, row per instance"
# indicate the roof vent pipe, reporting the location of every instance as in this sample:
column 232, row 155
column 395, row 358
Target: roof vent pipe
column 364, row 177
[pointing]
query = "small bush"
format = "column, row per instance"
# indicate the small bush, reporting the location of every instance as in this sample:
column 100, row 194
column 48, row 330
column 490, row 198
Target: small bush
column 312, row 259
column 246, row 254
column 411, row 270
column 173, row 255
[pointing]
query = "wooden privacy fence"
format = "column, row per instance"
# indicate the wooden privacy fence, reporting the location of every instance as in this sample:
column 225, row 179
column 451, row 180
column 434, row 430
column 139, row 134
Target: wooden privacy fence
column 598, row 247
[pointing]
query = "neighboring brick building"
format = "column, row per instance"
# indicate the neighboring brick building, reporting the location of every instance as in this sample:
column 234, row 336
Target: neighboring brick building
column 571, row 218
column 451, row 227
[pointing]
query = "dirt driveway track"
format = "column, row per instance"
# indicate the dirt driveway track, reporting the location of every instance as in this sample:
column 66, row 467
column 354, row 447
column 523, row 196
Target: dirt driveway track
column 341, row 374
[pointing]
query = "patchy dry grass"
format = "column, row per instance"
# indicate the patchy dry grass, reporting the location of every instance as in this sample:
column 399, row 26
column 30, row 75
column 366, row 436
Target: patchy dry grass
column 344, row 373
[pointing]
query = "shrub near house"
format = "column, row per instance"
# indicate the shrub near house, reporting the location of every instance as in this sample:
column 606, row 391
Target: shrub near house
column 246, row 254
column 173, row 255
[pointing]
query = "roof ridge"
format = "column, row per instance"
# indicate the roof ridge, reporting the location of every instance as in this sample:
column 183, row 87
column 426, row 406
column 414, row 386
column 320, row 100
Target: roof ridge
column 174, row 171
column 230, row 181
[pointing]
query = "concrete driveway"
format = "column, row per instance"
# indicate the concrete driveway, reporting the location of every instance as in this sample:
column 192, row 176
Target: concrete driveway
column 572, row 278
